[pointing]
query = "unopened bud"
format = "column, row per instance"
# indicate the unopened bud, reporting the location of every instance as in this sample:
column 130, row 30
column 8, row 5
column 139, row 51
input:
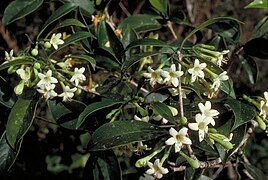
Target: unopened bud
column 37, row 65
column 183, row 120
column 47, row 45
column 261, row 123
column 19, row 88
column 34, row 52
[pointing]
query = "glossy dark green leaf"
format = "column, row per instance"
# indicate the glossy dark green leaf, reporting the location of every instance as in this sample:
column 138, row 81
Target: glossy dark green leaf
column 60, row 12
column 86, row 6
column 103, row 165
column 108, row 40
column 18, row 9
column 163, row 110
column 147, row 42
column 160, row 5
column 221, row 152
column 76, row 37
column 256, row 173
column 120, row 133
column 250, row 67
column 258, row 4
column 69, row 22
column 155, row 97
column 136, row 58
column 140, row 23
column 206, row 24
column 7, row 97
column 243, row 112
column 16, row 62
column 95, row 107
column 261, row 29
column 86, row 58
column 20, row 119
column 7, row 155
column 129, row 35
column 257, row 48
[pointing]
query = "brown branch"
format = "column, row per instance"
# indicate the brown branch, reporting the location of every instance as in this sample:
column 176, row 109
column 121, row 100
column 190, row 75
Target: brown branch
column 124, row 9
column 139, row 6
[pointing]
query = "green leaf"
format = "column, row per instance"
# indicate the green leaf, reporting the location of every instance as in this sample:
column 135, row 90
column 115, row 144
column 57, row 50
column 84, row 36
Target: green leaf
column 250, row 67
column 136, row 58
column 16, row 62
column 7, row 155
column 103, row 165
column 7, row 97
column 69, row 22
column 120, row 133
column 258, row 4
column 18, row 9
column 129, row 35
column 206, row 24
column 147, row 42
column 140, row 23
column 163, row 110
column 95, row 107
column 107, row 35
column 160, row 5
column 86, row 6
column 243, row 112
column 86, row 58
column 256, row 173
column 155, row 97
column 261, row 29
column 20, row 119
column 77, row 36
column 61, row 11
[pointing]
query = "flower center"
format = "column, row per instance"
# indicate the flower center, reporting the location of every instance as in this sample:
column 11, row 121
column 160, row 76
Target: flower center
column 47, row 79
column 207, row 113
column 179, row 137
column 154, row 75
column 197, row 69
column 201, row 126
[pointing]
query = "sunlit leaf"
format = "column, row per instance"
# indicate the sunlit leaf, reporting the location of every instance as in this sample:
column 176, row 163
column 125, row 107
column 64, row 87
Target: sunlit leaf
column 163, row 110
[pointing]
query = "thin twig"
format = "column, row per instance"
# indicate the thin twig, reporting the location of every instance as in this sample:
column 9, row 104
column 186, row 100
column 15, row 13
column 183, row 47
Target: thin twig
column 169, row 25
column 6, row 36
column 45, row 120
column 124, row 9
column 139, row 6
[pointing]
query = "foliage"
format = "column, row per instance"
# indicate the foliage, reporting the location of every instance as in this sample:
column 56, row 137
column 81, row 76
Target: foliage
column 163, row 105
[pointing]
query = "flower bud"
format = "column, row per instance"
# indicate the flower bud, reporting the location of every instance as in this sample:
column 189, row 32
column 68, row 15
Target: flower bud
column 47, row 45
column 212, row 130
column 193, row 162
column 37, row 65
column 34, row 52
column 183, row 120
column 222, row 140
column 19, row 88
column 261, row 123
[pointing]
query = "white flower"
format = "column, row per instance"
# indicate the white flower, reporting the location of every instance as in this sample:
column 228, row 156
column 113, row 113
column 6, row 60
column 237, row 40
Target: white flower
column 78, row 76
column 178, row 138
column 107, row 44
column 48, row 93
column 56, row 40
column 208, row 112
column 217, row 81
column 67, row 93
column 144, row 119
column 172, row 76
column 9, row 56
column 264, row 106
column 154, row 75
column 220, row 58
column 156, row 169
column 46, row 80
column 25, row 75
column 197, row 70
column 201, row 126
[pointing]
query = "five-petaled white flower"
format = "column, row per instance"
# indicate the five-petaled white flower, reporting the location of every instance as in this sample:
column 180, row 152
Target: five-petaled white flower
column 197, row 70
column 178, row 138
column 9, row 56
column 172, row 76
column 264, row 106
column 208, row 112
column 144, row 119
column 154, row 75
column 201, row 126
column 68, row 93
column 46, row 80
column 25, row 75
column 156, row 169
column 217, row 81
column 48, row 93
column 220, row 58
column 56, row 40
column 78, row 76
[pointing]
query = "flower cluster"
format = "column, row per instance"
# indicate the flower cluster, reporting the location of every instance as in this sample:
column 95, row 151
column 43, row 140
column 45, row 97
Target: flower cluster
column 264, row 106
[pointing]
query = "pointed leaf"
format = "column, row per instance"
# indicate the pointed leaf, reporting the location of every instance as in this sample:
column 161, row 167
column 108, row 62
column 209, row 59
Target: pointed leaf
column 16, row 62
column 160, row 5
column 163, row 110
column 258, row 4
column 120, row 133
column 95, row 107
column 243, row 112
column 86, row 6
column 18, row 9
column 147, row 42
column 86, row 58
